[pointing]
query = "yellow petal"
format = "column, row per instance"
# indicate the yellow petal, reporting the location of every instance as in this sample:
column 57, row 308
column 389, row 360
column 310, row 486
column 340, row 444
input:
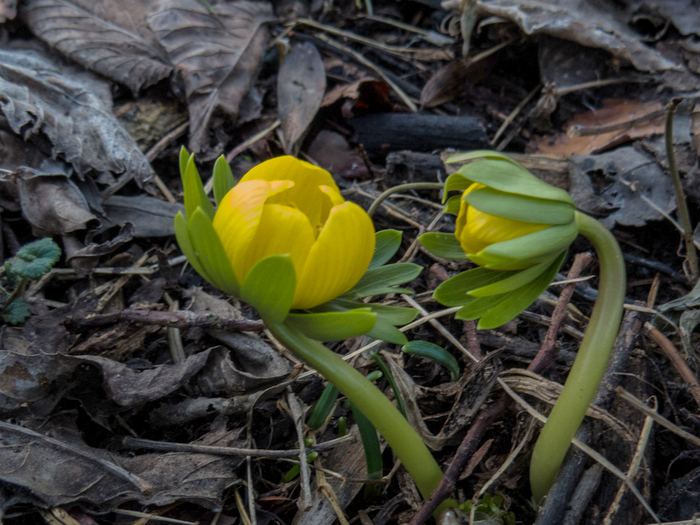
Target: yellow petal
column 339, row 258
column 481, row 230
column 281, row 231
column 236, row 220
column 307, row 178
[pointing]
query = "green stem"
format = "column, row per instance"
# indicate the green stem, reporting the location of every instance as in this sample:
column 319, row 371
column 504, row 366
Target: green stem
column 590, row 363
column 404, row 441
column 403, row 187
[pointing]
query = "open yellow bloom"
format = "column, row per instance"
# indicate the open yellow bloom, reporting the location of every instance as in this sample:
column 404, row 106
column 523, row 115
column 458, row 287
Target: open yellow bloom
column 287, row 206
column 475, row 230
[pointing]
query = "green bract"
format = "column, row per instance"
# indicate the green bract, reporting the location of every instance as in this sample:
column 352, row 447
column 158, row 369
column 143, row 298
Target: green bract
column 516, row 227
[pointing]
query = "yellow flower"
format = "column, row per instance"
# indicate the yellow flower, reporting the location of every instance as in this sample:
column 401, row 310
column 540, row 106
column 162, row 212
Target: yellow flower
column 476, row 230
column 287, row 206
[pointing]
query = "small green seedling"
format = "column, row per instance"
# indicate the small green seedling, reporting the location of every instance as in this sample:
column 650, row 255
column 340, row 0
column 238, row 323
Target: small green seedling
column 31, row 262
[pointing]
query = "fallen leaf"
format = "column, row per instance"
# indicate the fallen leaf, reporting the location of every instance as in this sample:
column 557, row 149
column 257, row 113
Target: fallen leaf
column 151, row 217
column 603, row 129
column 449, row 81
column 58, row 473
column 73, row 108
column 128, row 387
column 332, row 152
column 368, row 95
column 186, row 476
column 218, row 55
column 110, row 38
column 52, row 204
column 301, row 84
column 8, row 10
column 583, row 22
column 622, row 187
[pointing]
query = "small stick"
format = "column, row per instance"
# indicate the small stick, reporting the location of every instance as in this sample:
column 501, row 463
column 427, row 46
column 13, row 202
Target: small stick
column 676, row 360
column 548, row 351
column 680, row 196
column 180, row 319
column 164, row 446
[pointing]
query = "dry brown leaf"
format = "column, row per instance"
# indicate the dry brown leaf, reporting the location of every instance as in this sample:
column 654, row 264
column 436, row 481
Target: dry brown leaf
column 58, row 473
column 614, row 112
column 587, row 23
column 8, row 10
column 111, row 38
column 217, row 55
column 301, row 83
column 448, row 82
column 53, row 204
column 73, row 108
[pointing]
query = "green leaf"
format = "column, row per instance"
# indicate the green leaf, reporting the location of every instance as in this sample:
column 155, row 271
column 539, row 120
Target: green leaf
column 323, row 406
column 194, row 192
column 395, row 315
column 479, row 154
column 211, row 254
column 510, row 177
column 16, row 312
column 532, row 248
column 373, row 452
column 270, row 286
column 521, row 298
column 443, row 245
column 453, row 204
column 478, row 306
column 182, row 234
column 388, row 243
column 35, row 259
column 385, row 278
column 223, row 179
column 435, row 353
column 184, row 159
column 456, row 182
column 520, row 208
column 392, row 382
column 333, row 326
column 455, row 291
column 510, row 283
column 387, row 332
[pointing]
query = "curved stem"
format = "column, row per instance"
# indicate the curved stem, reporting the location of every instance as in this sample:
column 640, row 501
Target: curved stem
column 590, row 363
column 404, row 441
column 403, row 187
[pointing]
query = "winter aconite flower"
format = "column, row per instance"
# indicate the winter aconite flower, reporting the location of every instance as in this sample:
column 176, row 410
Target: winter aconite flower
column 517, row 229
column 282, row 207
column 513, row 225
column 285, row 241
column 287, row 206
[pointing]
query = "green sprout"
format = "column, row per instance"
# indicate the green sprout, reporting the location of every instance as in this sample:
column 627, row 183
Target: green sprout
column 31, row 262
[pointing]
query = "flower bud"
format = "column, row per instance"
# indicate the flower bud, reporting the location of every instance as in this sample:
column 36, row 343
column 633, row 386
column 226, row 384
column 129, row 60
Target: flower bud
column 516, row 227
column 282, row 207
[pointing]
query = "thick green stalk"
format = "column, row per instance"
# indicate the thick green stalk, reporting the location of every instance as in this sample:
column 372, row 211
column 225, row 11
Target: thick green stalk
column 404, row 441
column 590, row 363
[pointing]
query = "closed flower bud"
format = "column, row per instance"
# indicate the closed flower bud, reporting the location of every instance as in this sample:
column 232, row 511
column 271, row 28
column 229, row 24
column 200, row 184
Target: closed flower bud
column 282, row 207
column 287, row 206
column 516, row 227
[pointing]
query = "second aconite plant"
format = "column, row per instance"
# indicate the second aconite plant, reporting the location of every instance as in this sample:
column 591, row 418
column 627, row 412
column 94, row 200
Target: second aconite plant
column 285, row 241
column 517, row 229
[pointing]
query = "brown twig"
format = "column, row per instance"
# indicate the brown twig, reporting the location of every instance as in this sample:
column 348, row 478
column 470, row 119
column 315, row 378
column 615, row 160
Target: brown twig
column 676, row 360
column 179, row 319
column 483, row 421
column 548, row 351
